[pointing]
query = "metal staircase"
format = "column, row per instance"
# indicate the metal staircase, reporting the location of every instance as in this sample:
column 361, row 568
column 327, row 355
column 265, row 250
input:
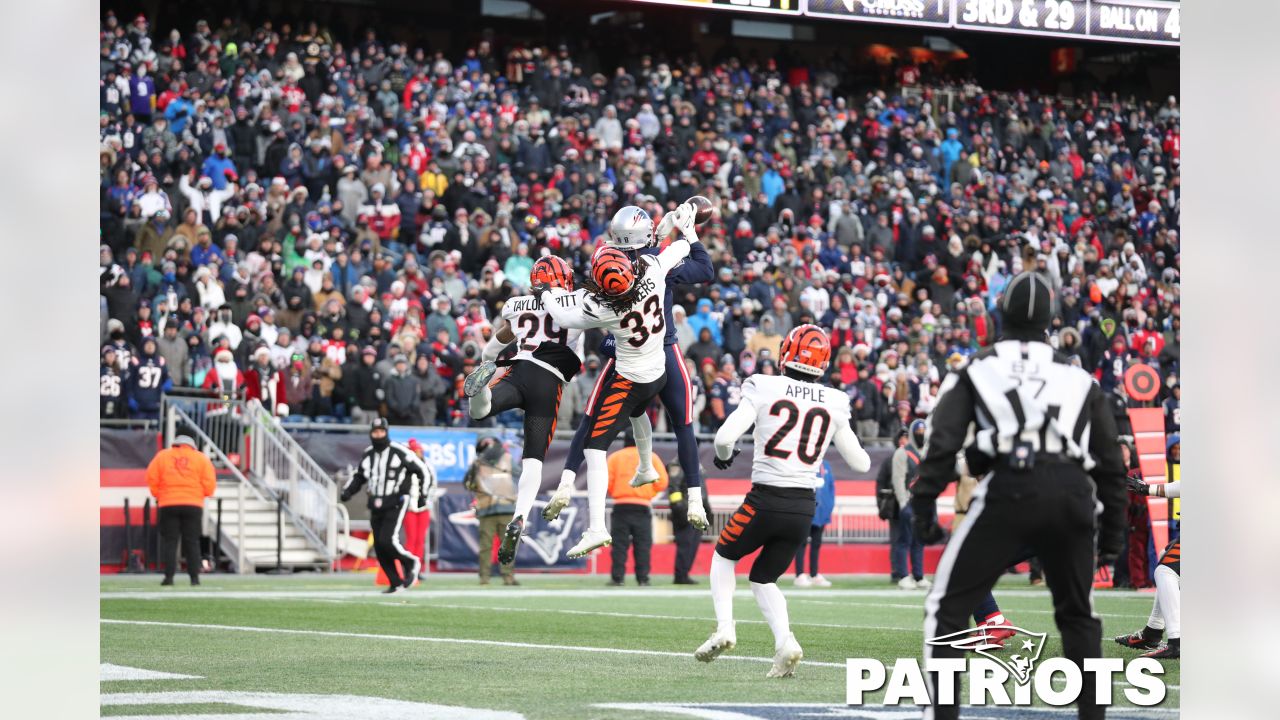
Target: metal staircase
column 274, row 507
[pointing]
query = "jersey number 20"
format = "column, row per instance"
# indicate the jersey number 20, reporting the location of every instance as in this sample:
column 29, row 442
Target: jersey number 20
column 811, row 438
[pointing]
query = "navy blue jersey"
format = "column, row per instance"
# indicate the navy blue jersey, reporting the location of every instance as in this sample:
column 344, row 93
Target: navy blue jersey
column 148, row 379
column 692, row 270
column 727, row 391
column 111, row 388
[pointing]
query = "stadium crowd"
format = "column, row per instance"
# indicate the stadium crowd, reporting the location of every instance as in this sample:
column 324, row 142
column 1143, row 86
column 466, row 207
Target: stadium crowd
column 331, row 226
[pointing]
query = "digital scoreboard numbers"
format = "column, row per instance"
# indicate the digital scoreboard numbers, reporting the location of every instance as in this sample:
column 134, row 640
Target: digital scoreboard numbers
column 1068, row 18
column 902, row 12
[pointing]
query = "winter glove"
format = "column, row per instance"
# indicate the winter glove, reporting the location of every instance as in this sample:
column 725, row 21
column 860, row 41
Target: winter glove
column 978, row 462
column 1137, row 485
column 924, row 522
column 724, row 464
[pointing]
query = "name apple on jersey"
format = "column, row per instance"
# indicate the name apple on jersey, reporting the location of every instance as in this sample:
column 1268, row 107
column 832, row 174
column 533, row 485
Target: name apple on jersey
column 815, row 393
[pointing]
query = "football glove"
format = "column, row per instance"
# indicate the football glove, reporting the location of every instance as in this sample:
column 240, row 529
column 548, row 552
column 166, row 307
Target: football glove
column 724, row 464
column 924, row 523
column 1137, row 485
column 538, row 288
column 609, row 346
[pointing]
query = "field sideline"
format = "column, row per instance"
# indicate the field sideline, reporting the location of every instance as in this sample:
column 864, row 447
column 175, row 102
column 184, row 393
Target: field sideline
column 556, row 647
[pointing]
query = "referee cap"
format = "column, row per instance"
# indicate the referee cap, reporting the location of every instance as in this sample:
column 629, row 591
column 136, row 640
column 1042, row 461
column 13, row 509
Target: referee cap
column 184, row 440
column 1027, row 303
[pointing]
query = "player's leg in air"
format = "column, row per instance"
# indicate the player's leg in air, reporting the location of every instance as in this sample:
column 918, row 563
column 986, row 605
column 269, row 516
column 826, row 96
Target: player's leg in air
column 568, row 477
column 1166, row 611
column 780, row 535
column 622, row 401
column 677, row 398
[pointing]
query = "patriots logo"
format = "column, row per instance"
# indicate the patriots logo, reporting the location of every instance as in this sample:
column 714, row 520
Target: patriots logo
column 550, row 538
column 975, row 639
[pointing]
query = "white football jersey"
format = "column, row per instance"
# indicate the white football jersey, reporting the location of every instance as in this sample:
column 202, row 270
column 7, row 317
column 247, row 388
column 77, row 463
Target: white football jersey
column 795, row 423
column 640, row 330
column 533, row 325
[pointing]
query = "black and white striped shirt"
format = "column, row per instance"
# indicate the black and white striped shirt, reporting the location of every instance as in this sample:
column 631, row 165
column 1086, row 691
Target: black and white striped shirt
column 1021, row 392
column 388, row 473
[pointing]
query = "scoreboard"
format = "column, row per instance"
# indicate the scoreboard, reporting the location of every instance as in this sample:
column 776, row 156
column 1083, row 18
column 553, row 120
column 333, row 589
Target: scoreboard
column 1151, row 22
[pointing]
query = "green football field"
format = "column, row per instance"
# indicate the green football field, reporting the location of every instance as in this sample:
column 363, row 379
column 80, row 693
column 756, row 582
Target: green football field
column 320, row 646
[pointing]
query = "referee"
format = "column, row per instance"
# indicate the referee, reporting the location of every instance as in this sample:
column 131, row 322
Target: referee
column 1046, row 452
column 389, row 470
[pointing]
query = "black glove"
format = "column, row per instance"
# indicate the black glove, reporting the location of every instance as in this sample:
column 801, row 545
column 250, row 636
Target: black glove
column 924, row 521
column 345, row 496
column 978, row 462
column 724, row 464
column 538, row 288
column 1107, row 559
column 1137, row 485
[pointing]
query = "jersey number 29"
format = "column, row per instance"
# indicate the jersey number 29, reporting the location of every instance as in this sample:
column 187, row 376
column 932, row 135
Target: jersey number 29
column 812, row 438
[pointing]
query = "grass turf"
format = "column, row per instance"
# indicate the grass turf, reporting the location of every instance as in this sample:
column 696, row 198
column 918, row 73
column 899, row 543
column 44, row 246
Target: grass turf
column 467, row 663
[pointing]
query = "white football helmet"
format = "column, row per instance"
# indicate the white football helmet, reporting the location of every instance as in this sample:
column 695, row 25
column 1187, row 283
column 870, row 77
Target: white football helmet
column 630, row 229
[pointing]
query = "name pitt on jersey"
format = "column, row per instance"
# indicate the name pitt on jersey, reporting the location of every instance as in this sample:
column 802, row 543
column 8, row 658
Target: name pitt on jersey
column 807, row 391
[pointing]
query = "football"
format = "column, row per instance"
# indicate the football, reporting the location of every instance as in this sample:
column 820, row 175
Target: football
column 703, row 206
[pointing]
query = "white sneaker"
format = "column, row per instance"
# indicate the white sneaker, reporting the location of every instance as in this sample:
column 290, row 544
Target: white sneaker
column 803, row 580
column 907, row 583
column 591, row 539
column 923, row 584
column 698, row 518
column 786, row 659
column 559, row 501
column 819, row 581
column 645, row 478
column 718, row 643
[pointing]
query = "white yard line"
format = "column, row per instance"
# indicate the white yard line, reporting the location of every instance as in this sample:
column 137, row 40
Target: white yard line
column 447, row 641
column 900, row 606
column 601, row 613
column 807, row 595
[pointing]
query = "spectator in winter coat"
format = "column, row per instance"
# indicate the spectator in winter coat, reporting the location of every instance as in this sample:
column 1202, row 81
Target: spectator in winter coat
column 704, row 319
column 403, row 393
column 173, row 349
column 264, row 383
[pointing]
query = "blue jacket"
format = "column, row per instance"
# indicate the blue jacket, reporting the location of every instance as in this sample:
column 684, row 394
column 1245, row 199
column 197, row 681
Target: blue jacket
column 216, row 167
column 772, row 185
column 178, row 112
column 703, row 319
column 826, row 497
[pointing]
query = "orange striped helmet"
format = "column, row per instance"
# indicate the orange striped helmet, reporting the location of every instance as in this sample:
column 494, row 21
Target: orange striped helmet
column 612, row 271
column 552, row 271
column 806, row 349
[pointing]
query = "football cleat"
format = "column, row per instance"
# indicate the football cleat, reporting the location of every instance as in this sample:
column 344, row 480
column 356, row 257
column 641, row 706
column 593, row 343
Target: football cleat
column 393, row 590
column 645, row 478
column 510, row 541
column 1168, row 651
column 1141, row 640
column 719, row 642
column 786, row 659
column 698, row 518
column 591, row 539
column 479, row 378
column 998, row 632
column 559, row 501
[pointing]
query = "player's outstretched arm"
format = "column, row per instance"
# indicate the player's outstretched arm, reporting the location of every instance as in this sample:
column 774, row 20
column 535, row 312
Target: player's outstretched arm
column 678, row 250
column 734, row 427
column 568, row 309
column 847, row 444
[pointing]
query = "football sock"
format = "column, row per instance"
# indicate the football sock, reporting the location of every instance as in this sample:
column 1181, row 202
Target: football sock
column 481, row 404
column 774, row 608
column 642, row 429
column 527, row 490
column 723, row 583
column 687, row 451
column 568, row 478
column 597, row 486
column 1168, row 592
column 1156, row 621
column 985, row 609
